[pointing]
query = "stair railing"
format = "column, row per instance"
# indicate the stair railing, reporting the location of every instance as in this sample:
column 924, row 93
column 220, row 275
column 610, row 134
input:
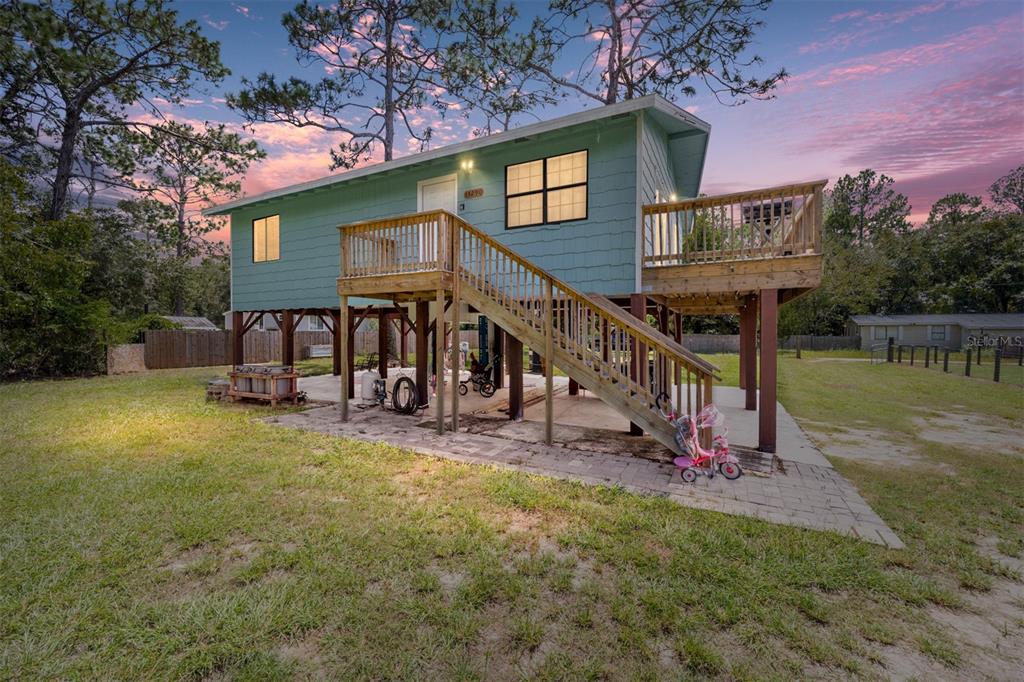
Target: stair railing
column 620, row 350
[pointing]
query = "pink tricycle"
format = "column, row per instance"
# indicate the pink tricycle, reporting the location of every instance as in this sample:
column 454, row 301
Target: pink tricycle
column 698, row 460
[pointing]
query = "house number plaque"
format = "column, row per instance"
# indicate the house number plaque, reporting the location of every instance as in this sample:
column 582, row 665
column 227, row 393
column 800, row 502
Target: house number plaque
column 475, row 193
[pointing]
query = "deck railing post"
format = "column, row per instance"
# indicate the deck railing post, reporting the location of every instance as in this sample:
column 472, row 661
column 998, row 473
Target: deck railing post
column 456, row 344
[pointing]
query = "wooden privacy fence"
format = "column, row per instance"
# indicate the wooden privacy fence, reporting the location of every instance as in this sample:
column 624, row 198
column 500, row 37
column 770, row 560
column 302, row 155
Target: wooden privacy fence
column 174, row 348
column 812, row 342
column 169, row 349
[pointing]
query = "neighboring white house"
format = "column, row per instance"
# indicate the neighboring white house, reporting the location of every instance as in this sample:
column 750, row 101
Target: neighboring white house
column 946, row 331
column 267, row 323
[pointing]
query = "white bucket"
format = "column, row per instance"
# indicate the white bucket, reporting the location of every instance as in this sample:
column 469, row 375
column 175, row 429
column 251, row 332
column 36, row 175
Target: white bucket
column 366, row 385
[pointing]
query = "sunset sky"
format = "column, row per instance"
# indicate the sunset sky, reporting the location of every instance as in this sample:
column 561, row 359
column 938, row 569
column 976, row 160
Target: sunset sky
column 931, row 93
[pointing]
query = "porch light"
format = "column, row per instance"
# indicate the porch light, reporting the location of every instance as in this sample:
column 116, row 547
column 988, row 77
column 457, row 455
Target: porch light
column 673, row 197
column 467, row 164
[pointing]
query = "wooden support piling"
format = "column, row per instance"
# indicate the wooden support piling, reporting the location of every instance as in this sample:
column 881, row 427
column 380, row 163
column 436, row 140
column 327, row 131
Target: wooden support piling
column 382, row 343
column 514, row 348
column 439, row 337
column 346, row 369
column 766, row 436
column 336, row 331
column 422, row 352
column 237, row 338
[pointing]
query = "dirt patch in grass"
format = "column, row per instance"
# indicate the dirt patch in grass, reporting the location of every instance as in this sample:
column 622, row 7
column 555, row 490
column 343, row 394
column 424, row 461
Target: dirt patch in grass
column 971, row 431
column 866, row 445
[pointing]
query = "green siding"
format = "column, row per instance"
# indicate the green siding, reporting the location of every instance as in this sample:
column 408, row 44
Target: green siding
column 657, row 179
column 596, row 254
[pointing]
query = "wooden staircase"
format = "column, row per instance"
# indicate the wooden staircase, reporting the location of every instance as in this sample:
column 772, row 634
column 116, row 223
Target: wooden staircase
column 619, row 358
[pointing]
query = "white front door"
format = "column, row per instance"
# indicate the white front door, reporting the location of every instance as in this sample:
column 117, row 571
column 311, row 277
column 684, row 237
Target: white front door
column 433, row 194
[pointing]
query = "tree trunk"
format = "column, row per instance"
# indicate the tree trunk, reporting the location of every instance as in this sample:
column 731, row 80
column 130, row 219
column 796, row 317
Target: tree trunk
column 65, row 161
column 179, row 294
column 389, row 85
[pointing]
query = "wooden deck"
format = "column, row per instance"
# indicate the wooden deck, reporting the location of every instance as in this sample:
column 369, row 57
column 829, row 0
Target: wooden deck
column 707, row 255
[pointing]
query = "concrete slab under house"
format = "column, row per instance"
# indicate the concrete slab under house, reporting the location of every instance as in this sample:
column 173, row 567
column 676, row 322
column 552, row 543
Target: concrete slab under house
column 583, row 239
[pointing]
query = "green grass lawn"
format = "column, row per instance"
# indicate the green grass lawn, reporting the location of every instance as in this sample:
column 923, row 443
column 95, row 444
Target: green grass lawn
column 145, row 533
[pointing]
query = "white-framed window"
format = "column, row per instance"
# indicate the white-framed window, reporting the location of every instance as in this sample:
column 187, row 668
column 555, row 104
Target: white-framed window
column 316, row 324
column 937, row 333
column 266, row 239
column 879, row 333
column 548, row 190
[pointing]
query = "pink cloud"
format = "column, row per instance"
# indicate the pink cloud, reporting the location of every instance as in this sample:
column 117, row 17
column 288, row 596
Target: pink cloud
column 867, row 27
column 949, row 50
column 215, row 24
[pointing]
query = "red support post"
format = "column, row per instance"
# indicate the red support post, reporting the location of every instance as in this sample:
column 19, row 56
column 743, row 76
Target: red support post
column 498, row 356
column 382, row 343
column 337, row 331
column 748, row 352
column 514, row 353
column 237, row 338
column 287, row 338
column 766, row 433
column 422, row 352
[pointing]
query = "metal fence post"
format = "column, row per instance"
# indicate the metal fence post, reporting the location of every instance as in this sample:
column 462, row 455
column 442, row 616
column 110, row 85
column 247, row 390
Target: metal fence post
column 927, row 356
column 912, row 349
column 888, row 351
column 998, row 362
column 945, row 361
column 967, row 365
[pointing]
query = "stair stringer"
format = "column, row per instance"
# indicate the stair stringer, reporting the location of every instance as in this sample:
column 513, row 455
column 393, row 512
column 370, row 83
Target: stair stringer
column 611, row 392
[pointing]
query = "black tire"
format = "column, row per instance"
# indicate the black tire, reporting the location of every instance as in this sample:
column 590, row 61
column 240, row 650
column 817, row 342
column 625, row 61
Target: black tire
column 487, row 389
column 405, row 397
column 731, row 470
column 463, row 390
column 664, row 404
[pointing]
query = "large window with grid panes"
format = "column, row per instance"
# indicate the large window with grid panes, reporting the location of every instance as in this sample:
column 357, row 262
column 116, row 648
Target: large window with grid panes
column 546, row 191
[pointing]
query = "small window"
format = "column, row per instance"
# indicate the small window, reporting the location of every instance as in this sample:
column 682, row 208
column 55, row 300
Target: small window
column 938, row 334
column 266, row 239
column 551, row 190
column 879, row 332
column 316, row 324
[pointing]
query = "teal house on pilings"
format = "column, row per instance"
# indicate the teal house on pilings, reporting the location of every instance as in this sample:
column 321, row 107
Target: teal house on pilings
column 601, row 207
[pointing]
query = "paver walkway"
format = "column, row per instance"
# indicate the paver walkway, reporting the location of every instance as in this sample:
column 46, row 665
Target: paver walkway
column 805, row 495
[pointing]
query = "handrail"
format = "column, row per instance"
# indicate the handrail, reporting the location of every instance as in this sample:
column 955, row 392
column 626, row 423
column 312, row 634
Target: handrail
column 610, row 342
column 765, row 223
column 649, row 339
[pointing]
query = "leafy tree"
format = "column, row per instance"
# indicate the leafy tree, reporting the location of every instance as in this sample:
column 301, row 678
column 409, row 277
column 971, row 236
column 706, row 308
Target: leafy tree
column 48, row 323
column 381, row 58
column 186, row 169
column 865, row 206
column 72, row 68
column 638, row 47
column 485, row 69
column 955, row 209
column 1008, row 191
